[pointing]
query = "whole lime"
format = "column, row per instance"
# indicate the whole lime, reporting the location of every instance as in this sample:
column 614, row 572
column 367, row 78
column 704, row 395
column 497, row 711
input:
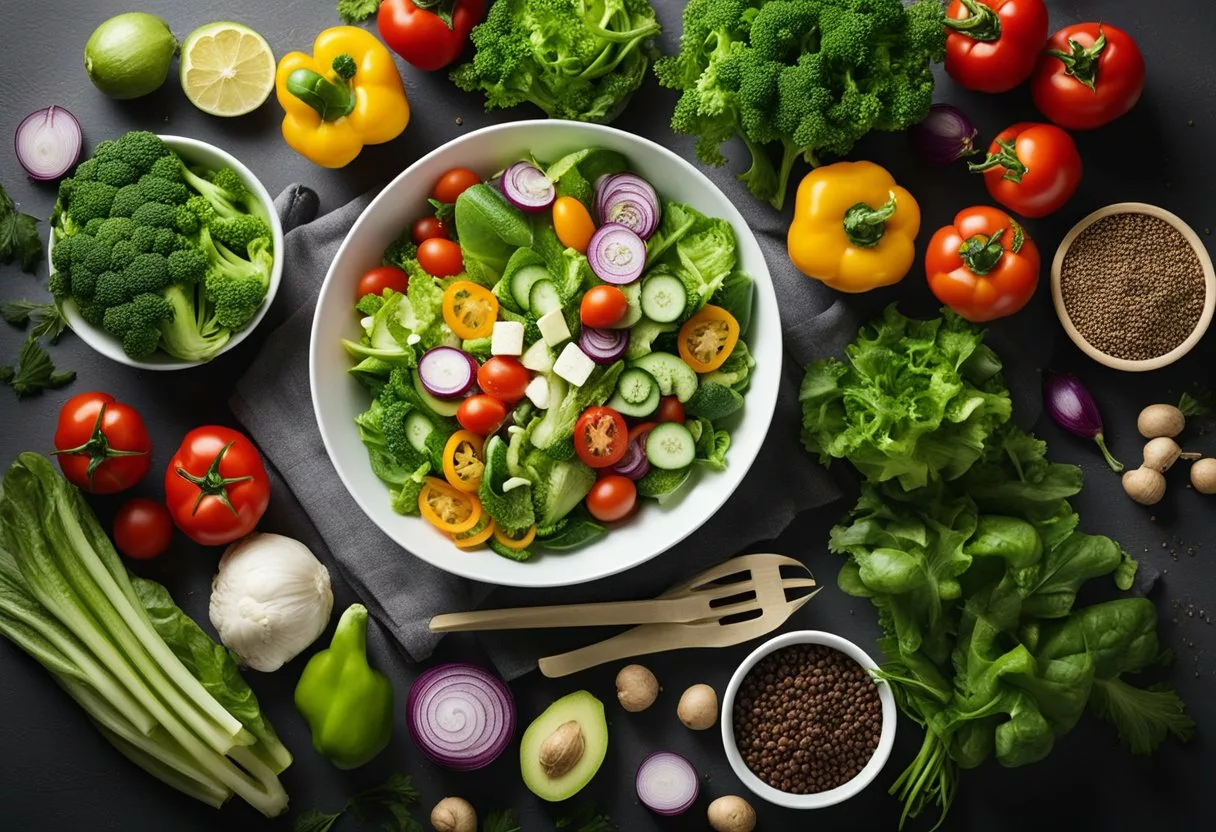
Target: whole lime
column 129, row 55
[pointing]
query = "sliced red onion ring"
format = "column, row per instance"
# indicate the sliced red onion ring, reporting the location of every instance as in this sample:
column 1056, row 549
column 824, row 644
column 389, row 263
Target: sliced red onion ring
column 48, row 142
column 634, row 463
column 616, row 254
column 460, row 716
column 603, row 346
column 447, row 372
column 629, row 200
column 667, row 784
column 526, row 187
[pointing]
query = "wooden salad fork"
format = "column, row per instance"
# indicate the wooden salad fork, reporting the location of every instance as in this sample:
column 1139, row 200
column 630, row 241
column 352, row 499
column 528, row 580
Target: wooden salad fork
column 705, row 599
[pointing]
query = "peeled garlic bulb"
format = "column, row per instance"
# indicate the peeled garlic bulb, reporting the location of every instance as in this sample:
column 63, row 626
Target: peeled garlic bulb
column 270, row 599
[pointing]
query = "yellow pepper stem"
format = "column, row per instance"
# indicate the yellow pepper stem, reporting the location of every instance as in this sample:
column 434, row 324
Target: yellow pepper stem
column 332, row 99
column 864, row 226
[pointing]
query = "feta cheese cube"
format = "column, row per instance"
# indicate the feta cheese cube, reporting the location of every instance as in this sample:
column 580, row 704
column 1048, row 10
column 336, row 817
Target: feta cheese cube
column 573, row 365
column 552, row 326
column 537, row 392
column 507, row 339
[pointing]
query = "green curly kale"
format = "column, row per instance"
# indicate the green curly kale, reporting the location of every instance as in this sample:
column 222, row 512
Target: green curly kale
column 800, row 78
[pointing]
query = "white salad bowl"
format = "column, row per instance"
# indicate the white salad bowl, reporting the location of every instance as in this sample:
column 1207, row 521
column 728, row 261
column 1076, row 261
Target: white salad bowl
column 193, row 152
column 338, row 398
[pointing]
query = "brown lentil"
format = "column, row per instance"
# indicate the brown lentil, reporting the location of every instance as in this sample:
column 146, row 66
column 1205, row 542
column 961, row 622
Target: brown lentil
column 807, row 719
column 1133, row 286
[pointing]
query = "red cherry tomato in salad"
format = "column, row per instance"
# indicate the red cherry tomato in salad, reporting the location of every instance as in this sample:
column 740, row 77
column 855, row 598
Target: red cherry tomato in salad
column 1090, row 74
column 102, row 444
column 142, row 529
column 504, row 378
column 992, row 45
column 381, row 278
column 612, row 498
column 600, row 437
column 423, row 38
column 670, row 410
column 440, row 257
column 216, row 486
column 427, row 228
column 482, row 414
column 453, row 183
column 1032, row 169
column 641, row 430
column 602, row 306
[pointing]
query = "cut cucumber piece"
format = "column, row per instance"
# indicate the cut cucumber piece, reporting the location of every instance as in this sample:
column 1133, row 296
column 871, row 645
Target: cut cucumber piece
column 543, row 298
column 538, row 358
column 670, row 446
column 633, row 312
column 637, row 394
column 671, row 374
column 663, row 298
column 417, row 429
column 443, row 407
column 522, row 281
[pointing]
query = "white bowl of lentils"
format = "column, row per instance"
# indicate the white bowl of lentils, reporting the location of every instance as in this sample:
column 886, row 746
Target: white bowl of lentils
column 803, row 723
column 1133, row 286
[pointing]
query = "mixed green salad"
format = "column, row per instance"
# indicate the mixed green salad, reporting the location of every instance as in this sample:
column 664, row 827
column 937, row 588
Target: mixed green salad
column 546, row 348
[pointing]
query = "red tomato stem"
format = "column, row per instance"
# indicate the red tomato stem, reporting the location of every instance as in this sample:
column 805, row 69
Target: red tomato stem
column 213, row 483
column 97, row 447
column 1007, row 158
column 1082, row 62
column 982, row 24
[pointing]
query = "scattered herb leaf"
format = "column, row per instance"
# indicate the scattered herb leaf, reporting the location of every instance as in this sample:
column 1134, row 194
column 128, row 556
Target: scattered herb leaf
column 34, row 372
column 1200, row 401
column 1142, row 716
column 587, row 819
column 396, row 796
column 47, row 317
column 357, row 11
column 500, row 821
column 19, row 240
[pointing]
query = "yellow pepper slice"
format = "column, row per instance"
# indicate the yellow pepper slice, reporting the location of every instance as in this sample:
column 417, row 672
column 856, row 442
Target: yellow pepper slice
column 476, row 536
column 515, row 543
column 447, row 509
column 463, row 464
column 707, row 339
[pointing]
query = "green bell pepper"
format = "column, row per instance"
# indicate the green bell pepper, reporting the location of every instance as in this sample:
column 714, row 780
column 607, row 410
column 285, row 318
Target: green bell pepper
column 348, row 706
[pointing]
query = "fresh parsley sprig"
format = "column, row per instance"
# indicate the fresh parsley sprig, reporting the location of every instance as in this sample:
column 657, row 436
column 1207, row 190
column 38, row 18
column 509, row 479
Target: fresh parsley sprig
column 396, row 797
column 34, row 371
column 19, row 240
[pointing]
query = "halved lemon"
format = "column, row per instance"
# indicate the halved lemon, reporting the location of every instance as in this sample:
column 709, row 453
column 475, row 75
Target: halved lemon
column 227, row 69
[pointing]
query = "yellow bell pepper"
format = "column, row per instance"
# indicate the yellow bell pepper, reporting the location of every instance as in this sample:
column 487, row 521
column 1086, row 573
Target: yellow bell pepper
column 854, row 229
column 348, row 93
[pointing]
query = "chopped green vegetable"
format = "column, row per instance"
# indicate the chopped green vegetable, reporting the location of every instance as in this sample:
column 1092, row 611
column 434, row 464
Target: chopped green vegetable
column 357, row 11
column 396, row 798
column 34, row 372
column 558, row 487
column 47, row 318
column 19, row 240
column 512, row 510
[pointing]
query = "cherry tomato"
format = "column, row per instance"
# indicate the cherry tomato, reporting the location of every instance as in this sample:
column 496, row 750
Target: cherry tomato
column 482, row 414
column 453, row 183
column 416, row 32
column 983, row 265
column 1032, row 169
column 142, row 528
column 503, row 377
column 216, row 486
column 381, row 278
column 603, row 306
column 1090, row 74
column 440, row 257
column 600, row 437
column 670, row 410
column 427, row 228
column 572, row 223
column 992, row 45
column 612, row 498
column 102, row 444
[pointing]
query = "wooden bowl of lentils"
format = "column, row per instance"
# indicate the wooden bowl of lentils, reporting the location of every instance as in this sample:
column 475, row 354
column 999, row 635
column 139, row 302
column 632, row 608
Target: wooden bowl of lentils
column 1133, row 286
column 804, row 724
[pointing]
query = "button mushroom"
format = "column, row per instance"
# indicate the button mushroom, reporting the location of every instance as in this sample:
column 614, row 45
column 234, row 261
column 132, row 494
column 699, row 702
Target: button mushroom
column 636, row 688
column 698, row 708
column 454, row 814
column 731, row 814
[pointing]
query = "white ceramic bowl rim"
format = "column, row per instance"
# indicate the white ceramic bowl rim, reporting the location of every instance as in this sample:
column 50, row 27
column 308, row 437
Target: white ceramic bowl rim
column 842, row 792
column 191, row 150
column 335, row 394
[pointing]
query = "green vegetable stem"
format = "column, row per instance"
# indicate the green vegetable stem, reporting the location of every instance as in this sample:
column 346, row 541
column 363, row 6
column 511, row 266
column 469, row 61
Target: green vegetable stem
column 331, row 98
column 348, row 705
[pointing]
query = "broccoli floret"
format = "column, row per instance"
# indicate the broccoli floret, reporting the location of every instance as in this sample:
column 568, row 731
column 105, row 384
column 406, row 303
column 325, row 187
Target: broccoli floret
column 90, row 200
column 83, row 282
column 167, row 167
column 61, row 254
column 58, row 285
column 86, row 171
column 123, row 252
column 187, row 220
column 126, row 201
column 187, row 335
column 92, row 225
column 156, row 215
column 143, row 237
column 92, row 312
column 238, row 232
column 140, row 149
column 157, row 189
column 187, row 266
column 400, row 250
column 114, row 230
column 145, row 273
column 223, row 189
column 137, row 323
column 236, row 286
column 167, row 241
column 116, row 172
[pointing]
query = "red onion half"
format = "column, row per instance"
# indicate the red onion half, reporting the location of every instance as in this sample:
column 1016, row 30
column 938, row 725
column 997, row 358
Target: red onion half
column 667, row 784
column 48, row 143
column 527, row 188
column 460, row 716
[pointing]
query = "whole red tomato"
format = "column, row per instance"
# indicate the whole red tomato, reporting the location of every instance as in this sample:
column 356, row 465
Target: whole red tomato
column 1091, row 74
column 1031, row 169
column 992, row 45
column 216, row 487
column 102, row 444
column 418, row 31
column 983, row 266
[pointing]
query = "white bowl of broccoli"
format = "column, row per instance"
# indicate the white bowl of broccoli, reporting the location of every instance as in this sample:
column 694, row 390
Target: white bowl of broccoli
column 164, row 261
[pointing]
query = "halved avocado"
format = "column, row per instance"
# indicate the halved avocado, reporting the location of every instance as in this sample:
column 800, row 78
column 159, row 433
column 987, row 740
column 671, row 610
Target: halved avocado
column 564, row 747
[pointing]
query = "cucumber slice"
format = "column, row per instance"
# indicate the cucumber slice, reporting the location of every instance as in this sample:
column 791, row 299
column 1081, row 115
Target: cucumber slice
column 670, row 446
column 633, row 312
column 663, row 298
column 522, row 281
column 637, row 394
column 538, row 358
column 671, row 373
column 543, row 298
column 417, row 429
column 443, row 407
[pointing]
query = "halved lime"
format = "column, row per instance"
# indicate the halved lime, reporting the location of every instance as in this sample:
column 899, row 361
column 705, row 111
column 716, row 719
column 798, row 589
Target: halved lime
column 227, row 69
